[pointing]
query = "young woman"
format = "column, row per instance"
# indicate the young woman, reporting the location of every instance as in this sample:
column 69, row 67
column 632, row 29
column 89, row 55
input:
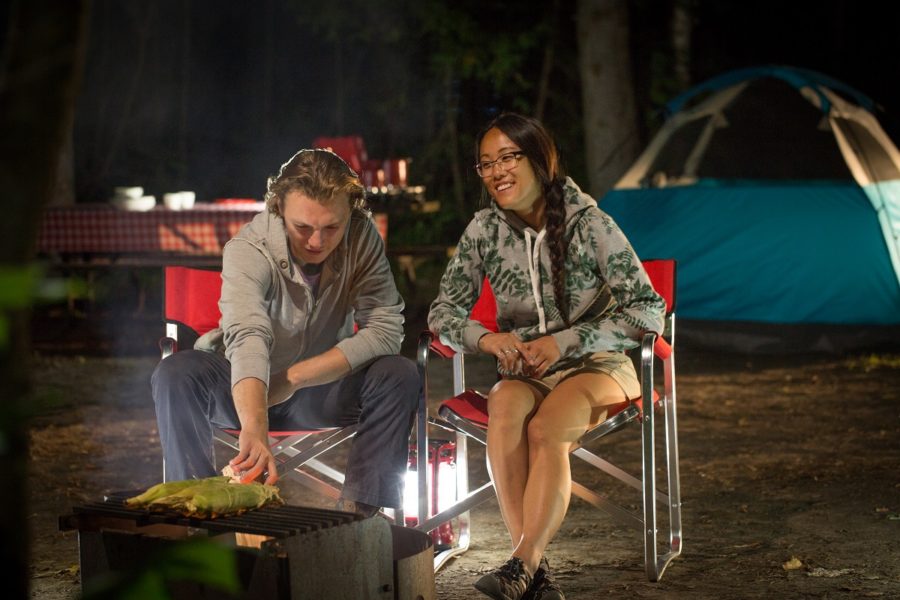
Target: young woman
column 572, row 296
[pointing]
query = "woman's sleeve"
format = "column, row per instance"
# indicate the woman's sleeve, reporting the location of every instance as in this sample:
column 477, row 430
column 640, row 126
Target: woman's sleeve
column 460, row 288
column 638, row 308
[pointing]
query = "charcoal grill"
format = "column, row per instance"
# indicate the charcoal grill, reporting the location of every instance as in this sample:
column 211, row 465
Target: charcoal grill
column 282, row 551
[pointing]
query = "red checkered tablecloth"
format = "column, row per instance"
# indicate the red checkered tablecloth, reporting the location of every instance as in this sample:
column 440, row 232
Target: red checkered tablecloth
column 103, row 229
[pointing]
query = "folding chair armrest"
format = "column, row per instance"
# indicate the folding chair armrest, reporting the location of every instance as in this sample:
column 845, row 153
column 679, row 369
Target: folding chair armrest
column 648, row 348
column 425, row 340
column 662, row 348
column 429, row 340
column 167, row 347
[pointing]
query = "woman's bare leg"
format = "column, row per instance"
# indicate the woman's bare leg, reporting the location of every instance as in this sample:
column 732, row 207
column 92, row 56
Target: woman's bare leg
column 510, row 403
column 565, row 414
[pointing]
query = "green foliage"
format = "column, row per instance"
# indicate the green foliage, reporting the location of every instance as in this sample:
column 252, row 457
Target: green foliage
column 196, row 560
column 873, row 362
column 417, row 229
column 19, row 287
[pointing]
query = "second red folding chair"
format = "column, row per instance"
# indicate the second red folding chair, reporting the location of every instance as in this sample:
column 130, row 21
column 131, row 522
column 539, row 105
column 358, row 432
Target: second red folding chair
column 465, row 414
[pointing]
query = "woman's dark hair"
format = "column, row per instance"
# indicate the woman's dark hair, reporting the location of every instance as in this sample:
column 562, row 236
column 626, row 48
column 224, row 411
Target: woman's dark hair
column 537, row 144
column 319, row 174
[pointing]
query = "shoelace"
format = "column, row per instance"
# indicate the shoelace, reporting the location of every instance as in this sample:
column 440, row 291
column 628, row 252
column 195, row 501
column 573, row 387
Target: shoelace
column 513, row 568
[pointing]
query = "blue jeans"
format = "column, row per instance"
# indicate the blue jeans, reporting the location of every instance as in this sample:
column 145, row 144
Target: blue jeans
column 192, row 393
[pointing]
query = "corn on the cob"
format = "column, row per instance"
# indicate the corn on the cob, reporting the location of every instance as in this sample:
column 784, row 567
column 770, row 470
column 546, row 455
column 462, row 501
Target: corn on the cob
column 161, row 490
column 219, row 499
column 211, row 497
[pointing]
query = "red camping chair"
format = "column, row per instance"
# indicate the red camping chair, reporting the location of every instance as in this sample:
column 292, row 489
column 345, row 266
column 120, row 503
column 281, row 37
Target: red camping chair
column 350, row 148
column 191, row 302
column 465, row 414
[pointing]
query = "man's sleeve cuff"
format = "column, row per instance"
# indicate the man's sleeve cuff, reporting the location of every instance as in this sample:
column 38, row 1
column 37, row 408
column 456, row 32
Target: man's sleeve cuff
column 250, row 365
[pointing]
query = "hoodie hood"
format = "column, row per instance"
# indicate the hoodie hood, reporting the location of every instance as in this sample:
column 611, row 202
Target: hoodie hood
column 575, row 201
column 267, row 229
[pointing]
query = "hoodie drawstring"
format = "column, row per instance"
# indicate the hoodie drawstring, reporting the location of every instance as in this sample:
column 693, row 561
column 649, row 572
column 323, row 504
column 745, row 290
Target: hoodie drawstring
column 534, row 261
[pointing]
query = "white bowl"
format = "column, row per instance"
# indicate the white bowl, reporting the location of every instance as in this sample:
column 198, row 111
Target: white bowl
column 129, row 192
column 187, row 199
column 142, row 203
column 179, row 200
column 172, row 200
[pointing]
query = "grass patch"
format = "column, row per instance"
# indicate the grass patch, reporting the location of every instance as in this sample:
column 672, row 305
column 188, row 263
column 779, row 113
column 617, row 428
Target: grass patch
column 873, row 362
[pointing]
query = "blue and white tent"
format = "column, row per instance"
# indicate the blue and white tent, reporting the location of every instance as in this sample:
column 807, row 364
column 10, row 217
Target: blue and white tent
column 778, row 192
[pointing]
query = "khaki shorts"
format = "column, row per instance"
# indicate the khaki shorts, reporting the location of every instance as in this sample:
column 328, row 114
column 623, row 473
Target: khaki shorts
column 615, row 364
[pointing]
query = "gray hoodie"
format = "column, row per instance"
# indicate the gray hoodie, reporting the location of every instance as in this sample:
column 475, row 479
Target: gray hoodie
column 270, row 318
column 611, row 300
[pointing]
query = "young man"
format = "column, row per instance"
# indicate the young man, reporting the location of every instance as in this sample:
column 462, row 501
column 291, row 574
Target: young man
column 295, row 280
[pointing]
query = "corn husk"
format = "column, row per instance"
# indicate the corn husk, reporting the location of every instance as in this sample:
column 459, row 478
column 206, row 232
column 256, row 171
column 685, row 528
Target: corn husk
column 209, row 498
column 161, row 490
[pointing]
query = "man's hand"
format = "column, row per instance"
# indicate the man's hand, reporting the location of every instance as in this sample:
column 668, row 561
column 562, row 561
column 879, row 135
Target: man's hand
column 255, row 457
column 539, row 355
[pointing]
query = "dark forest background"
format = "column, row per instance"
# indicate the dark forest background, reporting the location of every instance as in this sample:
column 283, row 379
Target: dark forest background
column 214, row 96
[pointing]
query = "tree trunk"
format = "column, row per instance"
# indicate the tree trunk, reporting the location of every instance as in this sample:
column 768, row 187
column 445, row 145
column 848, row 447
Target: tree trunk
column 42, row 58
column 681, row 28
column 610, row 113
column 64, row 190
column 451, row 124
column 547, row 63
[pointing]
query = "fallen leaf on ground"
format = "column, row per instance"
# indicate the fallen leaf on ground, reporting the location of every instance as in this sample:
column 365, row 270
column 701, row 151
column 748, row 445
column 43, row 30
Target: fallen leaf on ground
column 793, row 564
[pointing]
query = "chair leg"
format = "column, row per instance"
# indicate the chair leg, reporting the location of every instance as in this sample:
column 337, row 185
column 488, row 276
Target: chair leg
column 655, row 564
column 675, row 539
column 648, row 451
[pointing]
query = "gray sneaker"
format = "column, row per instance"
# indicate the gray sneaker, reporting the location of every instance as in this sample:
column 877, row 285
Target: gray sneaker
column 544, row 586
column 509, row 582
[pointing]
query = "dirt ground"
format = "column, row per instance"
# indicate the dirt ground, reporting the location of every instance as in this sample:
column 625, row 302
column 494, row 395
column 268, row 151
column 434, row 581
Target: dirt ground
column 781, row 459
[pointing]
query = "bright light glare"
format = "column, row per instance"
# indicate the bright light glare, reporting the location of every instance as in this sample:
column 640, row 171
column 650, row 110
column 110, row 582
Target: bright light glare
column 446, row 485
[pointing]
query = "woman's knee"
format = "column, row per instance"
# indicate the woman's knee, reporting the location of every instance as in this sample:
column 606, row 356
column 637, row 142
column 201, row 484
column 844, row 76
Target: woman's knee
column 510, row 404
column 549, row 429
column 541, row 432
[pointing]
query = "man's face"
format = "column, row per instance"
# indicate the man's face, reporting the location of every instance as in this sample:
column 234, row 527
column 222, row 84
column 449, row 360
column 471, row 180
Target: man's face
column 314, row 229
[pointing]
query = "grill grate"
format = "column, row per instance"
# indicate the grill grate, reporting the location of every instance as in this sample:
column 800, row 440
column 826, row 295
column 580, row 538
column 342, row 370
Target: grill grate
column 273, row 521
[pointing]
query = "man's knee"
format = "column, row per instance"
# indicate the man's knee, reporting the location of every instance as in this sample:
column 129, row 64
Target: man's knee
column 399, row 377
column 174, row 372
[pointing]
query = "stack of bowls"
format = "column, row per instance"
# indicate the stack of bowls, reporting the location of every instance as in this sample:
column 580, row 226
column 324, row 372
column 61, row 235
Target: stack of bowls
column 132, row 198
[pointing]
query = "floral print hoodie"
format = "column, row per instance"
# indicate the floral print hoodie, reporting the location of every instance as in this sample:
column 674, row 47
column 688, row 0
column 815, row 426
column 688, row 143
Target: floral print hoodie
column 611, row 301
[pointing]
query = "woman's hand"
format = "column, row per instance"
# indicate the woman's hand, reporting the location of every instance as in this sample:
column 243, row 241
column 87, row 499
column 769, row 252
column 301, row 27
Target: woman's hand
column 507, row 347
column 539, row 355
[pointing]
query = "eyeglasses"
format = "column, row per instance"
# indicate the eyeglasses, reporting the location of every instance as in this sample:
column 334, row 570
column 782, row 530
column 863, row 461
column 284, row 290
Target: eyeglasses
column 507, row 161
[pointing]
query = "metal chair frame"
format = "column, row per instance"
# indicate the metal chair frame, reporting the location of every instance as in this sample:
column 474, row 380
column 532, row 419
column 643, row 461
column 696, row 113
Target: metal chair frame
column 654, row 350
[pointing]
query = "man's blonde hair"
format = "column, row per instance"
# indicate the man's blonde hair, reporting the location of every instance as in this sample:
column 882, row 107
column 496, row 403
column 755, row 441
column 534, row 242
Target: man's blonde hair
column 319, row 174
